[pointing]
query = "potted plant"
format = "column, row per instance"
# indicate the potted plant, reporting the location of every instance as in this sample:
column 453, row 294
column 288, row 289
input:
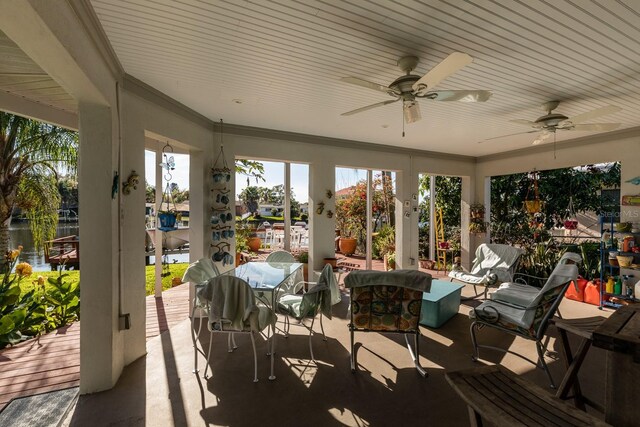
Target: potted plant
column 303, row 258
column 242, row 237
column 254, row 242
column 347, row 245
column 167, row 219
column 477, row 211
column 390, row 261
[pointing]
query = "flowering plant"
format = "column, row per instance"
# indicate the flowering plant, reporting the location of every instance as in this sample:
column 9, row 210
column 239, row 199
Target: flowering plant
column 18, row 313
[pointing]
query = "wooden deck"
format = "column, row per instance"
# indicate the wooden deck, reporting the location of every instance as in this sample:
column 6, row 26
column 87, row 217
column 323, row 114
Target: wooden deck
column 53, row 361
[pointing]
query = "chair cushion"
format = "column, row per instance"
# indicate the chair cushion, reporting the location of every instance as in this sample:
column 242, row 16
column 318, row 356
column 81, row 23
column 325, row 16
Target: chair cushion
column 471, row 278
column 300, row 306
column 515, row 293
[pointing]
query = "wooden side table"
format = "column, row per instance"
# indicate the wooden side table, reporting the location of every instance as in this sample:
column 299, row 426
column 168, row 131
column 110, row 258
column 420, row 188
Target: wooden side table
column 620, row 334
column 582, row 328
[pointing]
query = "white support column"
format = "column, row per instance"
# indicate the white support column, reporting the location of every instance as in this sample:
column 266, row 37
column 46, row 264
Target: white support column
column 287, row 206
column 101, row 355
column 432, row 217
column 487, row 207
column 467, row 242
column 322, row 176
column 369, row 239
column 158, row 242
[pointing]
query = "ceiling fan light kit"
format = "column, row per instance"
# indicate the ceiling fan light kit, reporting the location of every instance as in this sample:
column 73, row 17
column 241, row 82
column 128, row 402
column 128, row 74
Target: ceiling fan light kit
column 410, row 87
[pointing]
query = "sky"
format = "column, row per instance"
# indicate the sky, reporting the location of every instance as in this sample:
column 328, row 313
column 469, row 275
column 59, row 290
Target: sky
column 273, row 175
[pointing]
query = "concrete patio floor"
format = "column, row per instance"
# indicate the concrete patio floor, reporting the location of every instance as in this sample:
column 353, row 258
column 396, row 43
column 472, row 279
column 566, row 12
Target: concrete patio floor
column 161, row 390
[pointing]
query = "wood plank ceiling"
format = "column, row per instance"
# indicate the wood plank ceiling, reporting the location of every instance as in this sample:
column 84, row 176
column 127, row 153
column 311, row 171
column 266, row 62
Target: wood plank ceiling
column 22, row 77
column 277, row 64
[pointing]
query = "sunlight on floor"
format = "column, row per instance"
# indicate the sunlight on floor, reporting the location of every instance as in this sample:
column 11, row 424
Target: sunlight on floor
column 305, row 369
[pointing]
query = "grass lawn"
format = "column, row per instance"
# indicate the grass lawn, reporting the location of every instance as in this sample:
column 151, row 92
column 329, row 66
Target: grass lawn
column 174, row 270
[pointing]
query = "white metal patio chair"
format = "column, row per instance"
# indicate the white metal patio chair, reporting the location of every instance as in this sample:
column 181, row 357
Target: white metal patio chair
column 318, row 299
column 198, row 273
column 233, row 310
column 524, row 313
column 493, row 264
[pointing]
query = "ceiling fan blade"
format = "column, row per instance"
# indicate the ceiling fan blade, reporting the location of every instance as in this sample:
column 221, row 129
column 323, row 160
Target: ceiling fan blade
column 504, row 136
column 459, row 95
column 444, row 69
column 523, row 122
column 369, row 107
column 542, row 137
column 370, row 85
column 590, row 115
column 411, row 111
column 596, row 126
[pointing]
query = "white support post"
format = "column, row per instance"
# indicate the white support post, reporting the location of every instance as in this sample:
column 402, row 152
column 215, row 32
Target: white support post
column 158, row 242
column 369, row 217
column 287, row 206
column 432, row 217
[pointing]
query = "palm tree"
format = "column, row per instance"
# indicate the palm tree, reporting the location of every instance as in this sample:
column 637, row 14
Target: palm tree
column 31, row 153
column 250, row 197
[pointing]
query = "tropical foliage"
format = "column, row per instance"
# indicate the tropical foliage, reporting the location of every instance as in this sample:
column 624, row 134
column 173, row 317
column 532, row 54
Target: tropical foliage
column 42, row 307
column 510, row 223
column 448, row 197
column 32, row 154
column 351, row 210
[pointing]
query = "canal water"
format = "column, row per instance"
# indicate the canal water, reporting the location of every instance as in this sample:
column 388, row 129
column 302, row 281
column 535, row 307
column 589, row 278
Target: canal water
column 20, row 234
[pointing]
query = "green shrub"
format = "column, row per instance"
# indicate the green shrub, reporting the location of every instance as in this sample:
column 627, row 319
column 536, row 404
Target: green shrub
column 384, row 242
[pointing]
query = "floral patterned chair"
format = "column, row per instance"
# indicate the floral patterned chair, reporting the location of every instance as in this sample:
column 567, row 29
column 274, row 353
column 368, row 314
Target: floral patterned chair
column 388, row 302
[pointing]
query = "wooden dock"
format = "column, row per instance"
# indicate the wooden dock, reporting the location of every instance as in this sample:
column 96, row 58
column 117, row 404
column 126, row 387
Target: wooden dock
column 62, row 251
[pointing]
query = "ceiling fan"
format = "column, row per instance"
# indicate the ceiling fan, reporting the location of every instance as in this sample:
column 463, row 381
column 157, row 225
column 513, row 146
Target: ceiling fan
column 410, row 87
column 548, row 124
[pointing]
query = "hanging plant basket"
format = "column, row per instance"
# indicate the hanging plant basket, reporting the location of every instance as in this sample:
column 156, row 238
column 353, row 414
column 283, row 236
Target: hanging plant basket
column 167, row 221
column 571, row 223
column 533, row 206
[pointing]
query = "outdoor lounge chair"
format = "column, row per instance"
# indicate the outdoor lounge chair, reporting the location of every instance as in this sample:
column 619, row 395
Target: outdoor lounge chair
column 493, row 264
column 388, row 302
column 233, row 310
column 521, row 312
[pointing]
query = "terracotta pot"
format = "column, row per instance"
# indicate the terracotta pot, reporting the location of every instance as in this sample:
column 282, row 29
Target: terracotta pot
column 254, row 243
column 348, row 245
column 333, row 262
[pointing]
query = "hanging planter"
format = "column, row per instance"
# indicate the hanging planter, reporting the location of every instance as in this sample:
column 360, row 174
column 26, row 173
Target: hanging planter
column 168, row 217
column 533, row 206
column 571, row 223
column 167, row 220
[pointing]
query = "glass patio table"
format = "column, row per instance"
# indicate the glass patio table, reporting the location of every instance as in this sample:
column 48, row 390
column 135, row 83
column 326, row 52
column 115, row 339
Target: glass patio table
column 269, row 278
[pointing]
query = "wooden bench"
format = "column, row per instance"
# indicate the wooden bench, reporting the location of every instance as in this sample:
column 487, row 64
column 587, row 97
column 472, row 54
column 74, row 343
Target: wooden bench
column 500, row 397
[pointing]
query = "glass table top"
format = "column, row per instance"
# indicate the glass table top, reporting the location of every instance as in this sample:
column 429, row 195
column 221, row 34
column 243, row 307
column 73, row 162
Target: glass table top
column 265, row 275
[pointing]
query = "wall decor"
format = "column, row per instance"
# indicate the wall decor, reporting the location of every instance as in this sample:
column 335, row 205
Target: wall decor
column 329, row 214
column 320, row 208
column 131, row 183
